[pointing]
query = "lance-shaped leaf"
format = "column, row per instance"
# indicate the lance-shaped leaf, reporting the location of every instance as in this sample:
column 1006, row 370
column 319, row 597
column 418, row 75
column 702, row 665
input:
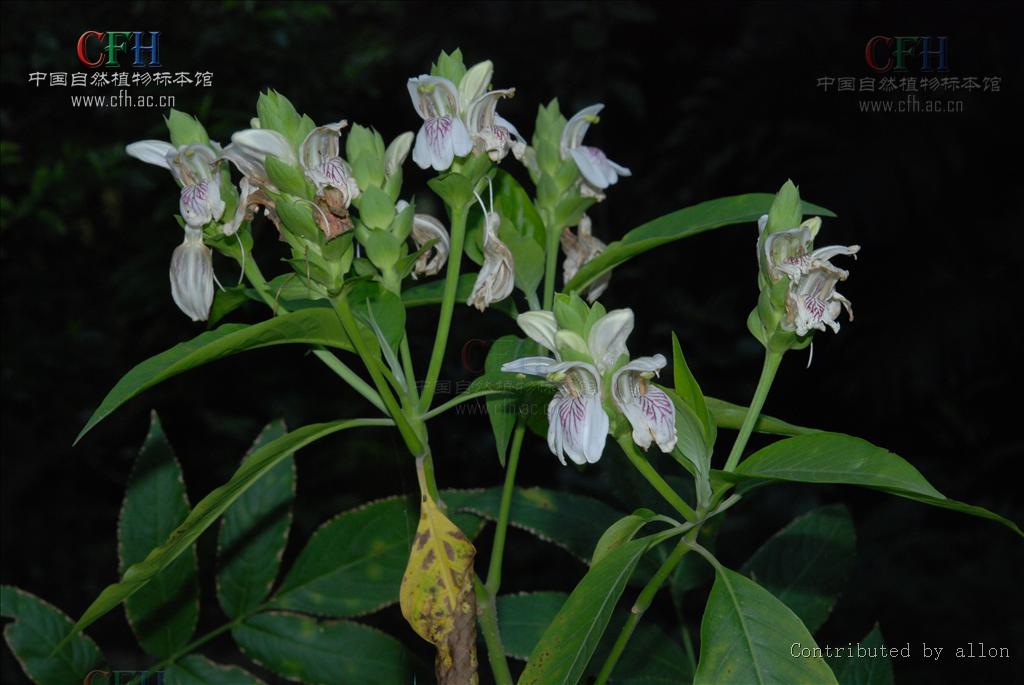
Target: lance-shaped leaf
column 315, row 326
column 254, row 532
column 651, row 657
column 353, row 564
column 33, row 635
column 502, row 409
column 729, row 415
column 303, row 649
column 871, row 668
column 437, row 596
column 207, row 511
column 683, row 223
column 747, row 636
column 806, row 564
column 844, row 459
column 196, row 669
column 621, row 532
column 689, row 391
column 162, row 614
column 564, row 650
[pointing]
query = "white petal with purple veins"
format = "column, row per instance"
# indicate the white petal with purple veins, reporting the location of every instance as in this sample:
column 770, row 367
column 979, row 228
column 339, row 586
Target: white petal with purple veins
column 439, row 141
column 647, row 408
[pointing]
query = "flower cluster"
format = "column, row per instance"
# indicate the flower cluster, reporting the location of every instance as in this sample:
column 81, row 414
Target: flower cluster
column 797, row 282
column 593, row 374
column 324, row 192
column 459, row 115
column 812, row 302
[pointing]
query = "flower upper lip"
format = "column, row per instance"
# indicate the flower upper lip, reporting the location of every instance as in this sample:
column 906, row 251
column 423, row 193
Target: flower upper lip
column 597, row 170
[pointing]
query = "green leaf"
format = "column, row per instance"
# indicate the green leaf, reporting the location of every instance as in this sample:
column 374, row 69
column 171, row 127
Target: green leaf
column 353, row 564
column 34, row 634
column 725, row 211
column 573, row 522
column 162, row 614
column 651, row 657
column 185, row 129
column 196, row 669
column 309, row 326
column 621, row 532
column 254, row 532
column 867, row 669
column 785, row 212
column 387, row 310
column 209, row 510
column 527, row 256
column 502, row 409
column 844, row 459
column 729, row 415
column 746, row 637
column 564, row 650
column 689, row 391
column 325, row 652
column 806, row 564
column 226, row 301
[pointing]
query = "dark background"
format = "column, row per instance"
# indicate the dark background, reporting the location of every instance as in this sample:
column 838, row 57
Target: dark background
column 702, row 101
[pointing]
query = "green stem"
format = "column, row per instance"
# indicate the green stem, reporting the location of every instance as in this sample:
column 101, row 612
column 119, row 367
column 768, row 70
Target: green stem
column 444, row 321
column 259, row 283
column 771, row 365
column 643, row 601
column 348, row 322
column 551, row 264
column 487, row 617
column 410, row 373
column 655, row 479
column 425, row 476
column 498, row 549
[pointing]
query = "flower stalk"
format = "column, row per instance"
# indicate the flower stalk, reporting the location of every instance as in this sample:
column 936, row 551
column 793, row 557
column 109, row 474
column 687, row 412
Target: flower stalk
column 764, row 384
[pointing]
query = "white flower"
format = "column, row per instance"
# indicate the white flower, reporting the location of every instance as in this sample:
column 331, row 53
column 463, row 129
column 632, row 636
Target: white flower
column 579, row 249
column 577, row 423
column 443, row 135
column 813, row 303
column 424, row 229
column 195, row 168
column 249, row 149
column 597, row 170
column 320, row 158
column 497, row 276
column 192, row 276
column 811, row 300
column 490, row 132
column 648, row 409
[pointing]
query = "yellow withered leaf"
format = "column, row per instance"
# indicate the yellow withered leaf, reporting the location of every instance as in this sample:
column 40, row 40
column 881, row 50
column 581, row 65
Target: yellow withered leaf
column 437, row 596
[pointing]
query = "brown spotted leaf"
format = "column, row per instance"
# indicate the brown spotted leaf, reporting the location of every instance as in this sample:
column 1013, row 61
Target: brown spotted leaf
column 437, row 596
